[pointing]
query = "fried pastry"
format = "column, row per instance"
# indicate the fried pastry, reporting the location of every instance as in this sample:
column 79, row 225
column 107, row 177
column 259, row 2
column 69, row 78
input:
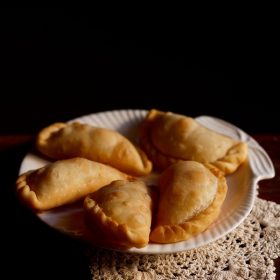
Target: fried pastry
column 62, row 141
column 63, row 182
column 190, row 200
column 119, row 215
column 169, row 137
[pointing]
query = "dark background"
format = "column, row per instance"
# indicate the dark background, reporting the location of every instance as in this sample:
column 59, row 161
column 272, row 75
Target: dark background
column 58, row 63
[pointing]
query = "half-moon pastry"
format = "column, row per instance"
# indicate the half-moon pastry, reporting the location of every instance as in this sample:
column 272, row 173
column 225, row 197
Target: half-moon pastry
column 119, row 215
column 62, row 141
column 63, row 182
column 190, row 200
column 169, row 137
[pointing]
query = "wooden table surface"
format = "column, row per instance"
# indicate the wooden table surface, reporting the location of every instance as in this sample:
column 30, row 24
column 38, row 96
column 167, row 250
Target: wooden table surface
column 34, row 251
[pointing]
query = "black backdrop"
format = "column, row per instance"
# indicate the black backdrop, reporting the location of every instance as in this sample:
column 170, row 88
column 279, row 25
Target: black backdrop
column 57, row 64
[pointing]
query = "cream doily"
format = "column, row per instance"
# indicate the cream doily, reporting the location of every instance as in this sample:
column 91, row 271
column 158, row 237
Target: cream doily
column 245, row 253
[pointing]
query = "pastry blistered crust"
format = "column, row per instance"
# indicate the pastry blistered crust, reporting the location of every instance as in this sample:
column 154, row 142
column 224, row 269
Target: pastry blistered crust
column 63, row 182
column 168, row 138
column 191, row 197
column 62, row 141
column 120, row 214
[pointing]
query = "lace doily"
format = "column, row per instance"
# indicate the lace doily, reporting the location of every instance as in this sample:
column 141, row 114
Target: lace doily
column 245, row 253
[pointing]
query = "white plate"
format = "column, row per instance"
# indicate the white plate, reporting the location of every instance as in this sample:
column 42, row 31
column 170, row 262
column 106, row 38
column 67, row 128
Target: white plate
column 239, row 201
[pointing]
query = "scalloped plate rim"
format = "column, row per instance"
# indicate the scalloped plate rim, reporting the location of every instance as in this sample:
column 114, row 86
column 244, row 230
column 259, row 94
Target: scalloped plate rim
column 184, row 245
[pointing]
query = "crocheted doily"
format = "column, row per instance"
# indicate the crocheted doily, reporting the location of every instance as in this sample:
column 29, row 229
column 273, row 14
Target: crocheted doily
column 245, row 253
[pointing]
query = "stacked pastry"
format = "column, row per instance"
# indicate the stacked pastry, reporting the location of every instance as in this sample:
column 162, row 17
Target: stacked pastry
column 106, row 170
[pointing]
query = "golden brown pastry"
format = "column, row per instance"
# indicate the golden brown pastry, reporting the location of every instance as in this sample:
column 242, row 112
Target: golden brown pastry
column 120, row 214
column 63, row 182
column 190, row 200
column 169, row 137
column 61, row 141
